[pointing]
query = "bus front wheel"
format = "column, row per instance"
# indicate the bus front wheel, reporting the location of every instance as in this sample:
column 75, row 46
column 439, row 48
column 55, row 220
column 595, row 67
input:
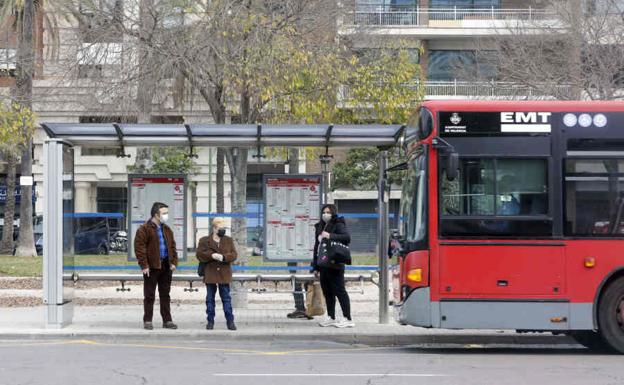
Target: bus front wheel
column 611, row 315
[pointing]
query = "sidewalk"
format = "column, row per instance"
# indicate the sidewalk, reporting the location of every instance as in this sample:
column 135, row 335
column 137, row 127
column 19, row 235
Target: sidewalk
column 104, row 313
column 124, row 322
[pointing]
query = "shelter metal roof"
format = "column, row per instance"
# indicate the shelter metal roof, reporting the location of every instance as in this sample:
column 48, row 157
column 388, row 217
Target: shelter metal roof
column 225, row 135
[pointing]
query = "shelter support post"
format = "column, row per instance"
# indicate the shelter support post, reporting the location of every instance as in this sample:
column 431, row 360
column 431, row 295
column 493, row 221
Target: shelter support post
column 382, row 238
column 57, row 302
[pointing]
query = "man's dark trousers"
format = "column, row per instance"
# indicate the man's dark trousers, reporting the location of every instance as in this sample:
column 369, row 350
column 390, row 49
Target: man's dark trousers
column 160, row 278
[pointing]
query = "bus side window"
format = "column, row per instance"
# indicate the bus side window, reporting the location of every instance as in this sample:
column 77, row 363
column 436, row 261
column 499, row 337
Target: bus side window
column 594, row 191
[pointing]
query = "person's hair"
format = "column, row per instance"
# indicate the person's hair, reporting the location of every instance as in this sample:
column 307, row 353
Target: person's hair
column 156, row 208
column 332, row 209
column 218, row 221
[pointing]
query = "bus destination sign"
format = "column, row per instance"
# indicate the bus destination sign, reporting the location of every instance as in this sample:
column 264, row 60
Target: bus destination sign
column 494, row 123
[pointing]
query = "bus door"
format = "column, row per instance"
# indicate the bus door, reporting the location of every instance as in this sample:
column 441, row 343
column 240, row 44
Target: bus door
column 593, row 219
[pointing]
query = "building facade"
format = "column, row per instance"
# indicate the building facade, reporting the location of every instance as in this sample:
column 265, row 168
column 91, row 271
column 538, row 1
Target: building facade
column 443, row 34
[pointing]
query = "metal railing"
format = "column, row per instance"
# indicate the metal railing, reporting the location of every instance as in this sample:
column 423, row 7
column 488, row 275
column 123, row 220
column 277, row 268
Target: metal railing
column 417, row 16
column 492, row 89
column 258, row 279
column 471, row 89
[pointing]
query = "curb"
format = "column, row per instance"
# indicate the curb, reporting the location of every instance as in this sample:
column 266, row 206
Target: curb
column 369, row 339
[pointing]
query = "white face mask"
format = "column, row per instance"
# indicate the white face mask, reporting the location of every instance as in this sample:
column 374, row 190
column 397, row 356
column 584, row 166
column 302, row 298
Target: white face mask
column 326, row 217
column 164, row 218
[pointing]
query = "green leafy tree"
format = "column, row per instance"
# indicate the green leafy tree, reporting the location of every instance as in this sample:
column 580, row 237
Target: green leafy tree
column 360, row 170
column 17, row 125
column 167, row 160
column 20, row 15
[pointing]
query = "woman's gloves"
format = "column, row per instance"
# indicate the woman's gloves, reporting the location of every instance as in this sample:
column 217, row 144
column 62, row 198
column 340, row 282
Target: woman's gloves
column 218, row 257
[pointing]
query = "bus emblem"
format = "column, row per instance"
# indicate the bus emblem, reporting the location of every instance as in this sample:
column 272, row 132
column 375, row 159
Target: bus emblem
column 455, row 118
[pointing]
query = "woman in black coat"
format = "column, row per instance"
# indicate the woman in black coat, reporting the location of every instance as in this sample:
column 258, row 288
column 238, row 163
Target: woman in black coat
column 332, row 227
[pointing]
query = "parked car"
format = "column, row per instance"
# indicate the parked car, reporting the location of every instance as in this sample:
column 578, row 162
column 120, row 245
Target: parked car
column 91, row 236
column 38, row 231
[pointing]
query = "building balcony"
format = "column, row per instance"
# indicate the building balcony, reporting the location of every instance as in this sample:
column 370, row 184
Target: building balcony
column 417, row 16
column 457, row 89
column 440, row 21
column 466, row 90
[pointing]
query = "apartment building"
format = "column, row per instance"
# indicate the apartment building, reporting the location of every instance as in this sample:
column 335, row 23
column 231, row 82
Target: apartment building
column 446, row 31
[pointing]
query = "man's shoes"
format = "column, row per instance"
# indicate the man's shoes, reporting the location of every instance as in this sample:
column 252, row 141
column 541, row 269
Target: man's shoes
column 345, row 323
column 170, row 325
column 298, row 314
column 231, row 326
column 209, row 325
column 327, row 321
column 148, row 326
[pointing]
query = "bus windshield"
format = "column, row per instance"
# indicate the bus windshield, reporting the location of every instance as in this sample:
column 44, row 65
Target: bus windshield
column 413, row 198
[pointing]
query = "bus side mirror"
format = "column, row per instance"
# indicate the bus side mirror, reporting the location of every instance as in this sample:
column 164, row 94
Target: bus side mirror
column 395, row 244
column 452, row 165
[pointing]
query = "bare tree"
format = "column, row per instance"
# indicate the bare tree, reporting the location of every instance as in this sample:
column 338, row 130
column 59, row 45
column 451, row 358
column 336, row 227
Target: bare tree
column 228, row 53
column 576, row 51
column 23, row 95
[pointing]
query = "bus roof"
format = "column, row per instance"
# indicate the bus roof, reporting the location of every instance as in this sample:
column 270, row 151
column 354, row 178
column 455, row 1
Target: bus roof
column 524, row 105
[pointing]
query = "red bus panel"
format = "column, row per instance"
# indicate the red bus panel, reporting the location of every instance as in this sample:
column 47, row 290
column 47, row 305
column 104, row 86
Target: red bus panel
column 501, row 271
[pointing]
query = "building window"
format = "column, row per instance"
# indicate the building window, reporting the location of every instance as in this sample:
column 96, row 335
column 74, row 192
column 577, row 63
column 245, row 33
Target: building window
column 602, row 7
column 99, row 151
column 97, row 19
column 466, row 4
column 108, row 119
column 167, row 119
column 373, row 54
column 7, row 62
column 594, row 197
column 113, row 200
column 448, row 65
column 94, row 58
column 385, row 5
column 90, row 71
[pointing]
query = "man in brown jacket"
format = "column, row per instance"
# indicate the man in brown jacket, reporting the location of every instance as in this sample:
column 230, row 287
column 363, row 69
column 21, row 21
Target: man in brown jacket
column 217, row 251
column 155, row 250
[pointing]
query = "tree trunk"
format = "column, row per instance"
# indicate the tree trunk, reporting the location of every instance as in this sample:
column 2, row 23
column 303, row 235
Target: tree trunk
column 576, row 54
column 24, row 83
column 220, row 180
column 237, row 161
column 218, row 114
column 145, row 87
column 293, row 161
column 6, row 245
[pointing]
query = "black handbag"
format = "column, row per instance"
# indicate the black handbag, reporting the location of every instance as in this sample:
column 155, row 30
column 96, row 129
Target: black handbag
column 339, row 252
column 201, row 268
column 333, row 256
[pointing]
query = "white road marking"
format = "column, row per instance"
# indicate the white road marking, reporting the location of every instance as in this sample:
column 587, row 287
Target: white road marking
column 328, row 375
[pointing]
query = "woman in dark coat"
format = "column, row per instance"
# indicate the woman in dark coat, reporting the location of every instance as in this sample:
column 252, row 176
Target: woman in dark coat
column 332, row 227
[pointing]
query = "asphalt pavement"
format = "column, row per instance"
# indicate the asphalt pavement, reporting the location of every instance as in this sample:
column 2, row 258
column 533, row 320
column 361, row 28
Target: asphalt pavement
column 298, row 362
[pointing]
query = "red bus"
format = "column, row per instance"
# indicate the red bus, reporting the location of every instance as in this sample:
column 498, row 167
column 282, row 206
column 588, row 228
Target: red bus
column 513, row 218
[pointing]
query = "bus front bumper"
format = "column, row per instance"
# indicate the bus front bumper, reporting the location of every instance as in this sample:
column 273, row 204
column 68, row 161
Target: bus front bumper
column 415, row 310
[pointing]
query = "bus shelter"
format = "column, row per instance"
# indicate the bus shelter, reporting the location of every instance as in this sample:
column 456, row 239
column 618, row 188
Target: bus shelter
column 58, row 166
